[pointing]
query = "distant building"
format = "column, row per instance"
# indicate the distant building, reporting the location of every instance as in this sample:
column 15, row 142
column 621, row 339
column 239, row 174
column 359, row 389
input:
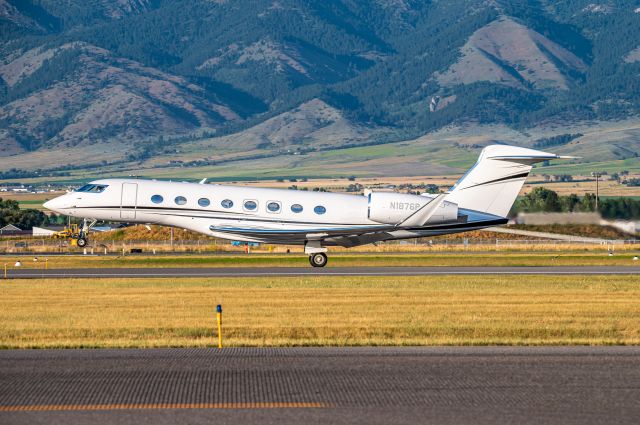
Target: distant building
column 630, row 227
column 10, row 229
column 102, row 228
column 433, row 105
column 45, row 231
column 558, row 218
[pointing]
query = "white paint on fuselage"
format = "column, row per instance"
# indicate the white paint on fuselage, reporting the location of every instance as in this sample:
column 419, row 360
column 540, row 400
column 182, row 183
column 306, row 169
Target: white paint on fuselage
column 342, row 211
column 481, row 198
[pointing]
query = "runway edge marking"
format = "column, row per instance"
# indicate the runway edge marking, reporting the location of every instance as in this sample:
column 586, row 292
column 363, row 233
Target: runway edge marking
column 161, row 406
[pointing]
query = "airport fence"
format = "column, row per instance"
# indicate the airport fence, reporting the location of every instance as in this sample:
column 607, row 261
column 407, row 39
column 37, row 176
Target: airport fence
column 223, row 246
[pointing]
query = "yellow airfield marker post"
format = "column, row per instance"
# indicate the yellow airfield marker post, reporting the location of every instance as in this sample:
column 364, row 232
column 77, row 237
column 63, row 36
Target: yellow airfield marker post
column 219, row 317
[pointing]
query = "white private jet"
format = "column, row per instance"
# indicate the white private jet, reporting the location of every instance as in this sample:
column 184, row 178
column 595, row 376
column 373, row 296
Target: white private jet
column 480, row 199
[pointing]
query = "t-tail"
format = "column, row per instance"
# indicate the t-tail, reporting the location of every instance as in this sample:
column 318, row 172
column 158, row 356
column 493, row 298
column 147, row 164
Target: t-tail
column 494, row 182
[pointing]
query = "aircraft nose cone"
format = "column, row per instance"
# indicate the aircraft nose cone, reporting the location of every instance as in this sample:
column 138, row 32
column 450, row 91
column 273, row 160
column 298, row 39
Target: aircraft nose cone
column 53, row 204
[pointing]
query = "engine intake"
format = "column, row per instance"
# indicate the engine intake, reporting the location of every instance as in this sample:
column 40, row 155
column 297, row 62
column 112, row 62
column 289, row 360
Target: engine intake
column 395, row 208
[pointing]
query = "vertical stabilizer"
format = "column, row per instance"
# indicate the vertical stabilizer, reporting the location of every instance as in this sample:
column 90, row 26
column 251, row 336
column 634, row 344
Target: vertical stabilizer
column 494, row 182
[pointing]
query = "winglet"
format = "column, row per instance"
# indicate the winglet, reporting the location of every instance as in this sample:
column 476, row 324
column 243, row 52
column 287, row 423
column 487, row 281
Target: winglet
column 203, row 181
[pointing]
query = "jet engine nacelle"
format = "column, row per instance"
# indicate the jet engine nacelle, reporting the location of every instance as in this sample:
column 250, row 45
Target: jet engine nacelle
column 395, row 208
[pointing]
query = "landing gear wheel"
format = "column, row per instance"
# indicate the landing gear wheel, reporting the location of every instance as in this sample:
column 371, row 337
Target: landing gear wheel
column 83, row 236
column 318, row 259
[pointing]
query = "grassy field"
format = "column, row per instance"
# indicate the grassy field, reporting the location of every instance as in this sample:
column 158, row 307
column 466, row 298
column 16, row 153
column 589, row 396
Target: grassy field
column 335, row 260
column 582, row 184
column 448, row 151
column 444, row 310
column 613, row 166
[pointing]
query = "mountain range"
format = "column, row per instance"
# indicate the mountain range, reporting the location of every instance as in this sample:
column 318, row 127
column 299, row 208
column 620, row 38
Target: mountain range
column 205, row 82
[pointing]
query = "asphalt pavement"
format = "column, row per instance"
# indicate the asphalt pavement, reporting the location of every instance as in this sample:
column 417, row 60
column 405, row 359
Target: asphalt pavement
column 372, row 385
column 310, row 271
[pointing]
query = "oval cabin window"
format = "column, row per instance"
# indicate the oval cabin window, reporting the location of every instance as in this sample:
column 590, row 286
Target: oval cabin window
column 250, row 205
column 273, row 207
column 181, row 200
column 157, row 199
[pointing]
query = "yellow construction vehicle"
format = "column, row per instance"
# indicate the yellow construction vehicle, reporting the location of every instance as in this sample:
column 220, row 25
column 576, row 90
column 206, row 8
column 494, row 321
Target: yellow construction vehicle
column 72, row 231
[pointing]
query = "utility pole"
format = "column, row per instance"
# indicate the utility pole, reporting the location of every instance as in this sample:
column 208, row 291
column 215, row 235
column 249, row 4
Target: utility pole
column 597, row 175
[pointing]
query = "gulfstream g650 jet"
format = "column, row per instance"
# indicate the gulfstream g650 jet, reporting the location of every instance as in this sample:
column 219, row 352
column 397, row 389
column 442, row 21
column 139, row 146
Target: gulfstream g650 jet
column 480, row 199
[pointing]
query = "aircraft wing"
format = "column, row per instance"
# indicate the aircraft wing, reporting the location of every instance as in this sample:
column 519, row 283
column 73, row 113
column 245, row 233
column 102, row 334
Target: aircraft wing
column 296, row 235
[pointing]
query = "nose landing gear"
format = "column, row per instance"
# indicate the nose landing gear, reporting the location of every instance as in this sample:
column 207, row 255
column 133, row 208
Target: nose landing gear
column 83, row 237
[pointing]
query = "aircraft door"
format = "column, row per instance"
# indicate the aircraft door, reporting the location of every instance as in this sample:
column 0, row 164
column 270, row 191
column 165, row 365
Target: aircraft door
column 128, row 200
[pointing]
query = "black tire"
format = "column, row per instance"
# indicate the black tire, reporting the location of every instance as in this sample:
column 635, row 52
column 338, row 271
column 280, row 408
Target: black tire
column 82, row 242
column 318, row 259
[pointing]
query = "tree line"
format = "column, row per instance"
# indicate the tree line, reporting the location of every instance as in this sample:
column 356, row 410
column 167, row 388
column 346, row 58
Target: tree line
column 10, row 213
column 541, row 199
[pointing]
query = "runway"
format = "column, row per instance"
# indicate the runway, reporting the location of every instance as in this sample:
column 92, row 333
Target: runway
column 310, row 271
column 440, row 385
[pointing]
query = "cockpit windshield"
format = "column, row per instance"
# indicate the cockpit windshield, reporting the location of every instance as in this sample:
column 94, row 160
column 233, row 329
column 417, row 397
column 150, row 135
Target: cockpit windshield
column 92, row 188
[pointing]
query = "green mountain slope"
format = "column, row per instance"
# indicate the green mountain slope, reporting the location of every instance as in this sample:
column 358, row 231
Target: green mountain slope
column 131, row 79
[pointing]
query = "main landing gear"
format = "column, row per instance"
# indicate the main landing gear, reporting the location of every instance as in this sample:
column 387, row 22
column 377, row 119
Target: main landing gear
column 318, row 259
column 316, row 252
column 83, row 237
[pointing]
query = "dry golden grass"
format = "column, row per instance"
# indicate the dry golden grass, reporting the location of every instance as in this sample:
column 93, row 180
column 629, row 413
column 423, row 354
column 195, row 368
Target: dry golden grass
column 458, row 310
column 511, row 244
column 21, row 196
column 145, row 235
column 582, row 185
